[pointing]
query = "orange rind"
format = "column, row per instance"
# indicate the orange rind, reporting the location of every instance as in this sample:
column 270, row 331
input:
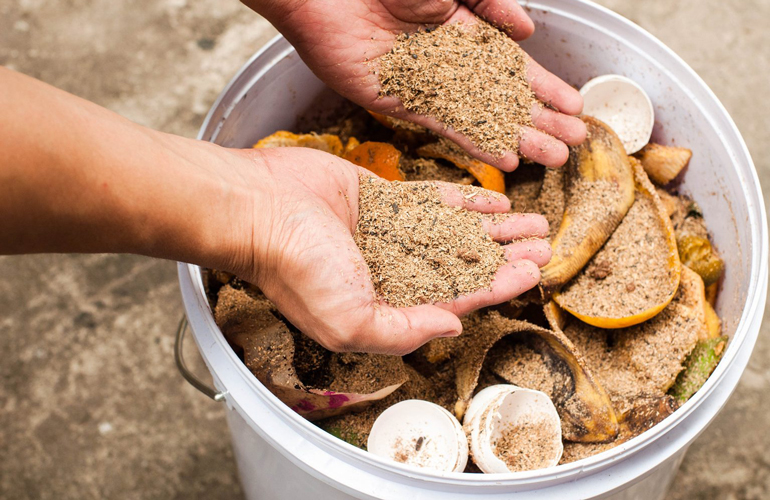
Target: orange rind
column 488, row 176
column 283, row 139
column 379, row 158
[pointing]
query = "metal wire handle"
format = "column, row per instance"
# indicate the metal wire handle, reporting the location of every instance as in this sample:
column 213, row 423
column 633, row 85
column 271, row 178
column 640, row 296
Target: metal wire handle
column 186, row 373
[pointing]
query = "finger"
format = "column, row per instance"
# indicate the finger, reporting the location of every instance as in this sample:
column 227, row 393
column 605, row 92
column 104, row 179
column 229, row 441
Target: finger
column 401, row 331
column 516, row 226
column 551, row 89
column 473, row 198
column 511, row 280
column 422, row 12
column 536, row 250
column 571, row 130
column 542, row 148
column 507, row 15
column 391, row 106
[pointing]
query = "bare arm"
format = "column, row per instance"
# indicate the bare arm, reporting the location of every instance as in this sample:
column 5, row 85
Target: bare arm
column 77, row 178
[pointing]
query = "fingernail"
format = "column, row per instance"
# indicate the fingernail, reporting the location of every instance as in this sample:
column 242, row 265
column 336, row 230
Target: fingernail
column 450, row 333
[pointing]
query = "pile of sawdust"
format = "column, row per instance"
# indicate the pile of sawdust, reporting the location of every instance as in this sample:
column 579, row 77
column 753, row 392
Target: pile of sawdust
column 418, row 249
column 471, row 78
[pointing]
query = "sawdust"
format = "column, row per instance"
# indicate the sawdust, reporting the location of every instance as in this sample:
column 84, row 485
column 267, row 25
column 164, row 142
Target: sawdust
column 630, row 274
column 420, row 250
column 526, row 446
column 471, row 78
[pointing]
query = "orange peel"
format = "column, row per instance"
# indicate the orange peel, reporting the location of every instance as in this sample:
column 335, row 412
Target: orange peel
column 397, row 123
column 282, row 139
column 379, row 158
column 488, row 176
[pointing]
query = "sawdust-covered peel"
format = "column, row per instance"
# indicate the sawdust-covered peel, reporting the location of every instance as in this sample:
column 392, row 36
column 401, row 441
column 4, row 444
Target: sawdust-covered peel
column 488, row 176
column 622, row 253
column 397, row 124
column 644, row 358
column 268, row 352
column 599, row 192
column 586, row 412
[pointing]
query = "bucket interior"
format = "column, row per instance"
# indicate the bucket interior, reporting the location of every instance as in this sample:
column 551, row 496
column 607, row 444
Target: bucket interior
column 577, row 41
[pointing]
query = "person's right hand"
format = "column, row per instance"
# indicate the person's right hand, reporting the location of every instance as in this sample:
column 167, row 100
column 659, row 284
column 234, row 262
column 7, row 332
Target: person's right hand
column 338, row 39
column 292, row 218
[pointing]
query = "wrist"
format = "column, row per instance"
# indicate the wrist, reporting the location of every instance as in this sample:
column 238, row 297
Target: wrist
column 207, row 213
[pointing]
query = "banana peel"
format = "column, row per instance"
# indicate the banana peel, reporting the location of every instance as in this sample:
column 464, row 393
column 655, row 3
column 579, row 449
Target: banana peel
column 488, row 176
column 599, row 192
column 713, row 323
column 569, row 297
column 697, row 253
column 663, row 163
column 398, row 124
column 644, row 358
column 268, row 351
column 645, row 413
column 583, row 406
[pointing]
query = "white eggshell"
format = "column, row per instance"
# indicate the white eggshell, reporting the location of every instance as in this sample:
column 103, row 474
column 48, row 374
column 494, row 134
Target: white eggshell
column 623, row 105
column 481, row 400
column 500, row 407
column 421, row 434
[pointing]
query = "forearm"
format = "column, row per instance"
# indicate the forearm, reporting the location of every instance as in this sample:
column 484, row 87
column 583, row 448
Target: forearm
column 75, row 177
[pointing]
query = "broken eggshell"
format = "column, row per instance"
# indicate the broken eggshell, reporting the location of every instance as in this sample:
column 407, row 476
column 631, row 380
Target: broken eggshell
column 499, row 407
column 622, row 104
column 422, row 434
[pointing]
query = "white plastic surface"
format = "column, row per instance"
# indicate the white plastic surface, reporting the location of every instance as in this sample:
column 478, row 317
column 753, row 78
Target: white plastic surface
column 622, row 104
column 422, row 433
column 501, row 407
column 281, row 456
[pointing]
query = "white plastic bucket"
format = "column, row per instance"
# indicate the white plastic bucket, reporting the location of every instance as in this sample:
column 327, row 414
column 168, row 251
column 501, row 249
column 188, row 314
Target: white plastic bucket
column 280, row 455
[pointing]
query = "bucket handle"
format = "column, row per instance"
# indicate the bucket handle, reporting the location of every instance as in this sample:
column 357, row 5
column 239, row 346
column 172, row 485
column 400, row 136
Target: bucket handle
column 186, row 373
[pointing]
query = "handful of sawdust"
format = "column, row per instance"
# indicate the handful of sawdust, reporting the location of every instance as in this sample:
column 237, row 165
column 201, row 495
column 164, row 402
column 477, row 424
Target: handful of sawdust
column 472, row 78
column 418, row 249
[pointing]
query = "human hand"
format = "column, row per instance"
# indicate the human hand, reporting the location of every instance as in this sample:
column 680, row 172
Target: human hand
column 300, row 209
column 86, row 180
column 338, row 44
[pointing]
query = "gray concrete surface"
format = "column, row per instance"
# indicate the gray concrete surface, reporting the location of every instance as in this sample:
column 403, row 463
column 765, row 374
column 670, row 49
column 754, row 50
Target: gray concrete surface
column 91, row 405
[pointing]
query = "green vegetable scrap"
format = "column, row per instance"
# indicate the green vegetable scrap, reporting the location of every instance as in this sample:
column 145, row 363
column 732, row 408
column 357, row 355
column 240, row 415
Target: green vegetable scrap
column 697, row 367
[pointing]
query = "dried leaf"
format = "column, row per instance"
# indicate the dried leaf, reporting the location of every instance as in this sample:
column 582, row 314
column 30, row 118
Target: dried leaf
column 268, row 351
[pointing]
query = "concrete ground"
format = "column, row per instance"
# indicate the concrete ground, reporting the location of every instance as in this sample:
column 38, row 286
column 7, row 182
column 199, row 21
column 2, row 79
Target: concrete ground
column 91, row 405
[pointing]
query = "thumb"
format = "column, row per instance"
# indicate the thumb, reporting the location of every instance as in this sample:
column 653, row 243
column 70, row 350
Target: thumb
column 402, row 330
column 422, row 12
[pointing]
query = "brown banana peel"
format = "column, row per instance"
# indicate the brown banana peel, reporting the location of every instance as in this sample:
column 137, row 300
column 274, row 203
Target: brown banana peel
column 488, row 176
column 599, row 192
column 585, row 409
column 568, row 297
